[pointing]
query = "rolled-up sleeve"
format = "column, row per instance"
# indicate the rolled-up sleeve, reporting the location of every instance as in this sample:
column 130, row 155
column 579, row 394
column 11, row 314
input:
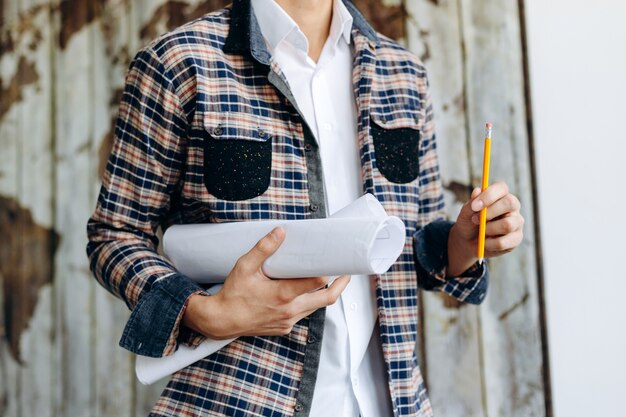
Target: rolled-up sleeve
column 430, row 241
column 143, row 173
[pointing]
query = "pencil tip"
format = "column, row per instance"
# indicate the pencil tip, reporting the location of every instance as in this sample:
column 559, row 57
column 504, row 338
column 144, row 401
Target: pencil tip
column 480, row 261
column 489, row 126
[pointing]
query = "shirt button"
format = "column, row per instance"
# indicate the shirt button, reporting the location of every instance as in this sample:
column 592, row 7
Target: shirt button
column 308, row 147
column 355, row 382
column 261, row 133
column 314, row 207
column 311, row 339
column 217, row 131
column 298, row 407
column 353, row 306
column 327, row 126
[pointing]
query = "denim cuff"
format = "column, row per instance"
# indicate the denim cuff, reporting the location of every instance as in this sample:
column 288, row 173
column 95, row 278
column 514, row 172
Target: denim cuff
column 430, row 252
column 153, row 327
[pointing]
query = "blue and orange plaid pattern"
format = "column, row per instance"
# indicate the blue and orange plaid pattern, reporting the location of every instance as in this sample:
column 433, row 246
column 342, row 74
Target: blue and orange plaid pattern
column 213, row 79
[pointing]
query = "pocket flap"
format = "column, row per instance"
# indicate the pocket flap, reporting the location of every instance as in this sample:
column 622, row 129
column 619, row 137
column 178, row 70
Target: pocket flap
column 396, row 119
column 239, row 126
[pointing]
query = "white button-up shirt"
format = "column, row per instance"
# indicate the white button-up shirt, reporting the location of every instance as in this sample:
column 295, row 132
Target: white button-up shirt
column 351, row 379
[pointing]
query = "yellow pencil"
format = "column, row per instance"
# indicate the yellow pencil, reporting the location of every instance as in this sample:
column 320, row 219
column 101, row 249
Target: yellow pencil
column 483, row 213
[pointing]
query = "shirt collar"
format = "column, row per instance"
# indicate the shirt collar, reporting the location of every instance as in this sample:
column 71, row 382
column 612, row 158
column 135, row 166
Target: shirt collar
column 244, row 34
column 277, row 26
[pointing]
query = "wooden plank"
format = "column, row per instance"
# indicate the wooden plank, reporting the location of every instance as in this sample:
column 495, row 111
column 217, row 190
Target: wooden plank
column 74, row 141
column 35, row 195
column 26, row 361
column 113, row 379
column 450, row 330
column 10, row 374
column 510, row 317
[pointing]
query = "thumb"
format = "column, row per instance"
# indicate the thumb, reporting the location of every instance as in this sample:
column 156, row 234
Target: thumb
column 264, row 248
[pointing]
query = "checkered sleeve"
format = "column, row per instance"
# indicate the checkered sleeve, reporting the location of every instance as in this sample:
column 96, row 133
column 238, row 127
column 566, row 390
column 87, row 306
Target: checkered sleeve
column 143, row 172
column 430, row 241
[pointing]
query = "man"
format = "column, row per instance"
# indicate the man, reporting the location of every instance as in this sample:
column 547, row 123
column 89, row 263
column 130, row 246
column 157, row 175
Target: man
column 284, row 110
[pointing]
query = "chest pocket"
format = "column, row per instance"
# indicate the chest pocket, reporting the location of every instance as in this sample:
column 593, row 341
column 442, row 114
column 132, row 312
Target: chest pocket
column 237, row 155
column 396, row 145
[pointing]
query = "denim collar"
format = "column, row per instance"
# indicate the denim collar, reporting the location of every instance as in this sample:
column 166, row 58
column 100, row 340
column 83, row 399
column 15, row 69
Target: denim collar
column 244, row 34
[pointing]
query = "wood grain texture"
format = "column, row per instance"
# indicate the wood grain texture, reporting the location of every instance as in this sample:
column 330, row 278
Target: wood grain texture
column 451, row 331
column 74, row 114
column 36, row 195
column 473, row 52
column 10, row 373
column 510, row 316
column 112, row 365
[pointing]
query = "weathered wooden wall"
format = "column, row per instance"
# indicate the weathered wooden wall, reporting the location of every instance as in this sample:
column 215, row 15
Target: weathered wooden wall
column 62, row 66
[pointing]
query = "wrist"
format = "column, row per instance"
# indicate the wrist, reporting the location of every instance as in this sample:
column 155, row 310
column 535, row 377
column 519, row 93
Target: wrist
column 461, row 253
column 203, row 316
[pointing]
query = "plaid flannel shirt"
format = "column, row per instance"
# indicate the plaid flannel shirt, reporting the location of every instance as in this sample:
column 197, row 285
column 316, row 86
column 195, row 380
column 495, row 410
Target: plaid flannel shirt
column 208, row 131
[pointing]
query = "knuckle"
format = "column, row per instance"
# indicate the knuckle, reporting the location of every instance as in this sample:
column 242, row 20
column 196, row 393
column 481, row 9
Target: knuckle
column 331, row 297
column 500, row 244
column 289, row 313
column 509, row 224
column 265, row 246
column 511, row 201
column 285, row 330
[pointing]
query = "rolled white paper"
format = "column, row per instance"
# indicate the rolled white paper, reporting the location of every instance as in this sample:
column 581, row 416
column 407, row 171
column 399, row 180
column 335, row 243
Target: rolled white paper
column 360, row 239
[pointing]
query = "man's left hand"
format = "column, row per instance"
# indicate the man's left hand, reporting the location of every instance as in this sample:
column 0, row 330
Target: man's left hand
column 504, row 230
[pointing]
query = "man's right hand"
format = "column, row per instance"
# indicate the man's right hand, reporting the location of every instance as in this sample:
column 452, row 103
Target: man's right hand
column 251, row 304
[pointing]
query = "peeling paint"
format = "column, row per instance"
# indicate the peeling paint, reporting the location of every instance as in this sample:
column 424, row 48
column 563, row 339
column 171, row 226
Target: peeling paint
column 450, row 302
column 76, row 14
column 514, row 307
column 462, row 192
column 11, row 93
column 26, row 256
column 12, row 33
column 425, row 56
column 388, row 20
column 175, row 13
column 106, row 144
column 459, row 103
column 7, row 43
column 37, row 38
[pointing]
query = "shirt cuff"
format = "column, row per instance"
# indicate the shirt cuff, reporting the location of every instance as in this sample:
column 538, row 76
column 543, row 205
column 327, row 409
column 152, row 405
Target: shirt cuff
column 430, row 252
column 154, row 326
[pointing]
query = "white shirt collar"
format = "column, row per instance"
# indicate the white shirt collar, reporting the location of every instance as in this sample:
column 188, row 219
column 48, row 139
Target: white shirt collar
column 277, row 26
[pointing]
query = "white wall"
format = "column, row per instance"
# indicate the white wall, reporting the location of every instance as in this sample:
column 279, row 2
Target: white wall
column 578, row 80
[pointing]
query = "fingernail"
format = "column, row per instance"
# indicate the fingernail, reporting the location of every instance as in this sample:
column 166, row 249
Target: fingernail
column 477, row 205
column 276, row 233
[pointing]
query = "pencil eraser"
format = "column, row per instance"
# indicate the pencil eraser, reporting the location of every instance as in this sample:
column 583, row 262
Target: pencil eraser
column 488, row 125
